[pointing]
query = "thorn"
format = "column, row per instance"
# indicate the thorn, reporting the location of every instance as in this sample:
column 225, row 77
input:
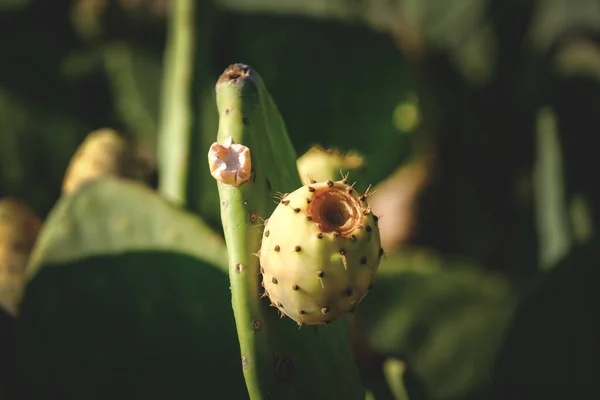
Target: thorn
column 309, row 178
column 350, row 188
column 344, row 177
column 344, row 261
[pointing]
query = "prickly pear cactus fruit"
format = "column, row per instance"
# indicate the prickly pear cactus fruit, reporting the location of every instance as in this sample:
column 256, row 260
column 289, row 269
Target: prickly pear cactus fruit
column 19, row 227
column 320, row 164
column 320, row 251
column 105, row 152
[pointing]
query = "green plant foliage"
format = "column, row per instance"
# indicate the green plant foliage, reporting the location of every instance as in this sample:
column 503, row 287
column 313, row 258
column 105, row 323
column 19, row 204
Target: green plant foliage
column 551, row 351
column 447, row 321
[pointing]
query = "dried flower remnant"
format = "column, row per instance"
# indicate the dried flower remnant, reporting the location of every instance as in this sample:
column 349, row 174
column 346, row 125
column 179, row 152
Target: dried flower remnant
column 230, row 162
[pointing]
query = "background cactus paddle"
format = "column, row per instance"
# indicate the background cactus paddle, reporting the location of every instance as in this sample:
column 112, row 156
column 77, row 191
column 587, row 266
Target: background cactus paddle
column 320, row 251
column 122, row 302
column 279, row 360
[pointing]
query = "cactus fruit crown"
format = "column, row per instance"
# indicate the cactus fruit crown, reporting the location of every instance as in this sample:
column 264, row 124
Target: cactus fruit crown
column 320, row 251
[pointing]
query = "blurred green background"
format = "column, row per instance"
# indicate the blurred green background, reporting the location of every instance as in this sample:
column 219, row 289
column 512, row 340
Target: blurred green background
column 476, row 120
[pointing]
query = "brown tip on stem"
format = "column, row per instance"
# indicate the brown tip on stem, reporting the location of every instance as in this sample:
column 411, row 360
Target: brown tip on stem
column 235, row 73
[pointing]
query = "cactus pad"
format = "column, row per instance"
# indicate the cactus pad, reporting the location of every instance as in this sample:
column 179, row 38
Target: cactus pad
column 320, row 251
column 126, row 299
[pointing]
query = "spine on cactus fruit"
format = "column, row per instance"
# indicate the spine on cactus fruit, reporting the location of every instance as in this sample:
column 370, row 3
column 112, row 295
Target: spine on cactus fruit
column 252, row 160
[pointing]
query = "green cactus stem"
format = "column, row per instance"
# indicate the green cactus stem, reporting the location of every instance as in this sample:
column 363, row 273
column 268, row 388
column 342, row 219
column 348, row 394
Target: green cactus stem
column 252, row 160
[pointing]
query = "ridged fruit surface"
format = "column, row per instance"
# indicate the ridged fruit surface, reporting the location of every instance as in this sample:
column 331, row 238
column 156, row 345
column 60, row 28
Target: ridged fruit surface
column 320, row 251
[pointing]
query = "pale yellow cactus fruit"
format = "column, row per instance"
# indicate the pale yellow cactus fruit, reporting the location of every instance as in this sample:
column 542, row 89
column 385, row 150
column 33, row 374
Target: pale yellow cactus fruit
column 320, row 164
column 104, row 152
column 19, row 228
